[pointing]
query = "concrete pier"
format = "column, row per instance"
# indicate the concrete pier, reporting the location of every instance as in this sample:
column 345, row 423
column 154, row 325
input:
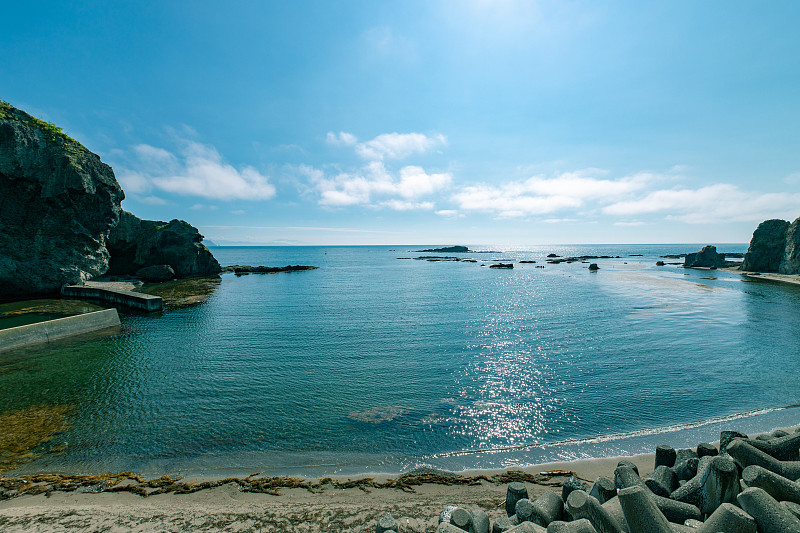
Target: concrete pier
column 113, row 296
column 59, row 328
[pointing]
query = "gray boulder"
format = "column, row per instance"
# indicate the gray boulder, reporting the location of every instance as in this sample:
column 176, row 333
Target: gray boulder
column 790, row 264
column 135, row 244
column 707, row 257
column 156, row 273
column 767, row 247
column 58, row 202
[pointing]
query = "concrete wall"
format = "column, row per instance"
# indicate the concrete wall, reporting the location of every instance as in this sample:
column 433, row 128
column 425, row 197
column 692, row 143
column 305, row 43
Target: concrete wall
column 131, row 300
column 57, row 329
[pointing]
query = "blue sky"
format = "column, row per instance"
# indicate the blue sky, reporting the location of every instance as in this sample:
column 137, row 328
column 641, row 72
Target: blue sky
column 404, row 122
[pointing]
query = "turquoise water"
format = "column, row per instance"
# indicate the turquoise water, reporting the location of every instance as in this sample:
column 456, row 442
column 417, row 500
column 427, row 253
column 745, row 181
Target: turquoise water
column 375, row 364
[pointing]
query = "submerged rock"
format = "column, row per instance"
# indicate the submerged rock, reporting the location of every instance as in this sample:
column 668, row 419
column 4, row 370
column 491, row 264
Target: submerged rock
column 58, row 202
column 135, row 244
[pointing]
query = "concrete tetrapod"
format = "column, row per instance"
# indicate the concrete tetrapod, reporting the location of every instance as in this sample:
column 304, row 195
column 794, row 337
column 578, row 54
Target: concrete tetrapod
column 792, row 508
column 665, row 455
column 447, row 527
column 705, row 448
column 524, row 510
column 480, row 521
column 603, row 489
column 783, row 448
column 728, row 517
column 716, row 482
column 515, row 492
column 570, row 485
column 577, row 526
column 456, row 516
column 581, row 505
column 641, row 513
column 662, row 481
column 527, row 527
column 726, row 437
column 547, row 508
column 770, row 516
column 777, row 486
column 675, row 511
column 746, row 454
column 684, row 454
column 687, row 469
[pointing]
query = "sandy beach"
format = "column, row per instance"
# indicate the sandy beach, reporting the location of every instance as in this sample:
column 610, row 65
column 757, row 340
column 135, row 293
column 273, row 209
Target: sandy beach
column 228, row 508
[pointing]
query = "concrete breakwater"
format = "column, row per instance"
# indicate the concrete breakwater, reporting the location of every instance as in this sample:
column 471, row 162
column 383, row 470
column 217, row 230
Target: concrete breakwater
column 117, row 297
column 57, row 329
column 745, row 485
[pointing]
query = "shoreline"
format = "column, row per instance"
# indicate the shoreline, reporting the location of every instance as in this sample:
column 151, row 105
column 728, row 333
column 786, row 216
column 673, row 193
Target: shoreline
column 487, row 462
column 333, row 504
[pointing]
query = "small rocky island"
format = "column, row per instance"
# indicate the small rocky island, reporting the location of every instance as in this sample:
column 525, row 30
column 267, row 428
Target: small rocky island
column 457, row 250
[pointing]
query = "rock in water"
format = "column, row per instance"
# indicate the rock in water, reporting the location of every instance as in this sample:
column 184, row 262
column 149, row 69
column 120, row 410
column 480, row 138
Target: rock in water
column 767, row 247
column 135, row 244
column 791, row 254
column 58, row 202
column 707, row 257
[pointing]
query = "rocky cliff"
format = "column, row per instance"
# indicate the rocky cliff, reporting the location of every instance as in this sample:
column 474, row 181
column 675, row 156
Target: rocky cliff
column 790, row 264
column 775, row 247
column 135, row 244
column 58, row 202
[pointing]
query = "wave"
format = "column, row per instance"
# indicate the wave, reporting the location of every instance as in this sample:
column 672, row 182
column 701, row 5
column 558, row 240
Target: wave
column 673, row 428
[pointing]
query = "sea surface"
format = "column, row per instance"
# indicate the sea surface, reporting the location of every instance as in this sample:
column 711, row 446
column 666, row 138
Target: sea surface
column 380, row 363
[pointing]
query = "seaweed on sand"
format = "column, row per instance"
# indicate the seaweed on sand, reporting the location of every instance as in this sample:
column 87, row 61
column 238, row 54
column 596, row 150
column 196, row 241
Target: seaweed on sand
column 130, row 482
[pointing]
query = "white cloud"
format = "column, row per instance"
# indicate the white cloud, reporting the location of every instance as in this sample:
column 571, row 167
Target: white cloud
column 198, row 170
column 540, row 195
column 152, row 200
column 792, row 179
column 204, row 206
column 625, row 224
column 721, row 202
column 133, row 182
column 449, row 213
column 341, row 139
column 401, row 205
column 387, row 145
column 398, row 145
column 374, row 182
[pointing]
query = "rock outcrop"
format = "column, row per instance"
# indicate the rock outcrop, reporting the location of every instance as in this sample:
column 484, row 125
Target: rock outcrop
column 706, row 258
column 790, row 264
column 775, row 247
column 135, row 244
column 58, row 202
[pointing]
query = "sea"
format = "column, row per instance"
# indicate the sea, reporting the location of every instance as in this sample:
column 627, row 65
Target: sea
column 377, row 362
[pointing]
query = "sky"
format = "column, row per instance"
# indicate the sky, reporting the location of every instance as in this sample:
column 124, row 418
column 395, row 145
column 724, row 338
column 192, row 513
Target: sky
column 426, row 122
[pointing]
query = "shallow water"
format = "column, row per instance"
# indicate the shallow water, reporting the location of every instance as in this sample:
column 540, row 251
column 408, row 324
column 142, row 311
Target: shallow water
column 371, row 363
